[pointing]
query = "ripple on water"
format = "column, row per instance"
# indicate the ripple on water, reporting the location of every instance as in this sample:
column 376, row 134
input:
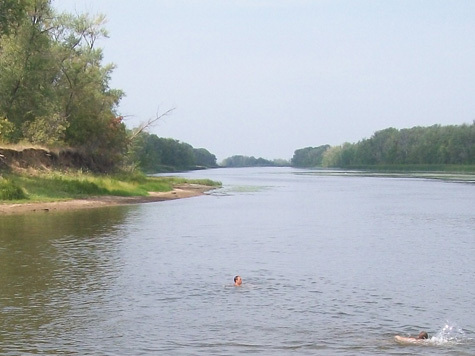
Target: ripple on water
column 327, row 273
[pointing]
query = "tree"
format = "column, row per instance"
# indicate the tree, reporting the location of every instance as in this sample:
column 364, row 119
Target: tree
column 54, row 88
column 86, row 99
column 152, row 154
column 28, row 68
column 47, row 130
column 204, row 158
column 309, row 156
column 144, row 152
column 419, row 145
column 11, row 13
column 332, row 157
column 246, row 161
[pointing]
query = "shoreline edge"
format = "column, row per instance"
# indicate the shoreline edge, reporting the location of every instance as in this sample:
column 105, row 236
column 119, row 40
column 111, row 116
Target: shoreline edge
column 179, row 192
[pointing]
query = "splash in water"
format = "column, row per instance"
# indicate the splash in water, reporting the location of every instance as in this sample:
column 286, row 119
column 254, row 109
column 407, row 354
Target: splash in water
column 451, row 333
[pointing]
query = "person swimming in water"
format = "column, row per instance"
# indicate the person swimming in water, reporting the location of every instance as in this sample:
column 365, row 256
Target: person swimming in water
column 237, row 281
column 412, row 339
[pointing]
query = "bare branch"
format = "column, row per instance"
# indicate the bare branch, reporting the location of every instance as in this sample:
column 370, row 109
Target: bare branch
column 144, row 126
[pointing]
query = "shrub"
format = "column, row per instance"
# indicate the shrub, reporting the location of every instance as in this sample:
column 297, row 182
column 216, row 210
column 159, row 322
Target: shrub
column 11, row 191
column 47, row 130
column 7, row 129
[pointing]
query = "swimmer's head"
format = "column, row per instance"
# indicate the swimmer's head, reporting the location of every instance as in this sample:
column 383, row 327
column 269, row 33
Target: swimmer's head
column 237, row 280
column 423, row 335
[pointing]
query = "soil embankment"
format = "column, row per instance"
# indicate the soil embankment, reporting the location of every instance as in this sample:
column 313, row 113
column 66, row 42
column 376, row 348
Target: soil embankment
column 42, row 159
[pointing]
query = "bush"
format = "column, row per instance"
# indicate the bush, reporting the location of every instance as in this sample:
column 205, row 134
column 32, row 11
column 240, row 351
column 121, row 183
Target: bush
column 10, row 191
column 46, row 130
column 7, row 129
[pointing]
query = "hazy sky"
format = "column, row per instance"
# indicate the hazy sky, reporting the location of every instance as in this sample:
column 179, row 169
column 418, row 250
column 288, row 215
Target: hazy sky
column 264, row 78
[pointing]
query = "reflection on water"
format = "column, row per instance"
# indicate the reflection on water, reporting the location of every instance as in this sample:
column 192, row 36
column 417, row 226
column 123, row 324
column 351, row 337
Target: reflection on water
column 330, row 265
column 52, row 268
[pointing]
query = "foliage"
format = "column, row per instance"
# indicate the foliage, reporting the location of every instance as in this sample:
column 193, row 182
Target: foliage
column 6, row 130
column 27, row 67
column 9, row 190
column 204, row 158
column 309, row 156
column 246, row 161
column 11, row 12
column 45, row 130
column 54, row 89
column 434, row 145
column 154, row 154
column 280, row 162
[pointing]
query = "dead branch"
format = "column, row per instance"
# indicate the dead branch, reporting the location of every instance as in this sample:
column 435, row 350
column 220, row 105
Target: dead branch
column 144, row 126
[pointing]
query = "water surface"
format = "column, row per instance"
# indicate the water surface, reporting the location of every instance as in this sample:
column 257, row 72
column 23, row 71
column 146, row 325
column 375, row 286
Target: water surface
column 331, row 265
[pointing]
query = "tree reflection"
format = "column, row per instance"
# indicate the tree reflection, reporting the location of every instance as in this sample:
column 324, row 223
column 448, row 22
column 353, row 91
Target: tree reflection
column 51, row 264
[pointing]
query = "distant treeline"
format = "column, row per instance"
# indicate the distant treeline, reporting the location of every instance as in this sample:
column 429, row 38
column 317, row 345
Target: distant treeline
column 434, row 145
column 55, row 92
column 422, row 147
column 309, row 156
column 153, row 154
column 246, row 161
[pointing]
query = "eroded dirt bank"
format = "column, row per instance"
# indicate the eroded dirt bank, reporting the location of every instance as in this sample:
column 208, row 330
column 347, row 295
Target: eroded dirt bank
column 42, row 159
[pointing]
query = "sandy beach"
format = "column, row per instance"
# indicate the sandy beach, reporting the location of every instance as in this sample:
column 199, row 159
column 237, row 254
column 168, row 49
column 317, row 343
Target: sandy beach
column 179, row 192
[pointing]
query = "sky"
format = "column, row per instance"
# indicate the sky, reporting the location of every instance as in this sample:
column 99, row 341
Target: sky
column 264, row 78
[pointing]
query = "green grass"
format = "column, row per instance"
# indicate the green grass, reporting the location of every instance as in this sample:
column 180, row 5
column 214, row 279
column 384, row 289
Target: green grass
column 65, row 186
column 9, row 190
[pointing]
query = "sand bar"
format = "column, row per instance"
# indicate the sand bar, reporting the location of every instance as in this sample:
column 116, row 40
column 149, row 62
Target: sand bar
column 179, row 192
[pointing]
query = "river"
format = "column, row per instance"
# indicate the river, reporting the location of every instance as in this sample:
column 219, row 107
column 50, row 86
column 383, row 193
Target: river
column 331, row 265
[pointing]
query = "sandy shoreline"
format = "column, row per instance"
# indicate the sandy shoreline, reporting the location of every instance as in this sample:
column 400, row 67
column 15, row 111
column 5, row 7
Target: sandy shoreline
column 179, row 192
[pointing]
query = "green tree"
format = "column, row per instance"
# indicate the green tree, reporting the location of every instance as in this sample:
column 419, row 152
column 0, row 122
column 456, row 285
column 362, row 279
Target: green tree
column 309, row 156
column 11, row 13
column 432, row 145
column 86, row 99
column 332, row 157
column 28, row 68
column 46, row 130
column 204, row 158
column 246, row 161
column 54, row 88
column 152, row 154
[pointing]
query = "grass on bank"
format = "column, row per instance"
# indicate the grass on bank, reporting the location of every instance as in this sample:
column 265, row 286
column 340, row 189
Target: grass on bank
column 64, row 186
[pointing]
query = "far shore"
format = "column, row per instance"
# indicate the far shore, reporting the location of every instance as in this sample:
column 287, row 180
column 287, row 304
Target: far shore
column 179, row 192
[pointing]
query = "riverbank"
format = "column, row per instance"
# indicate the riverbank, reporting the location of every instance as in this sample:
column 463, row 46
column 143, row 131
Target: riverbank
column 181, row 191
